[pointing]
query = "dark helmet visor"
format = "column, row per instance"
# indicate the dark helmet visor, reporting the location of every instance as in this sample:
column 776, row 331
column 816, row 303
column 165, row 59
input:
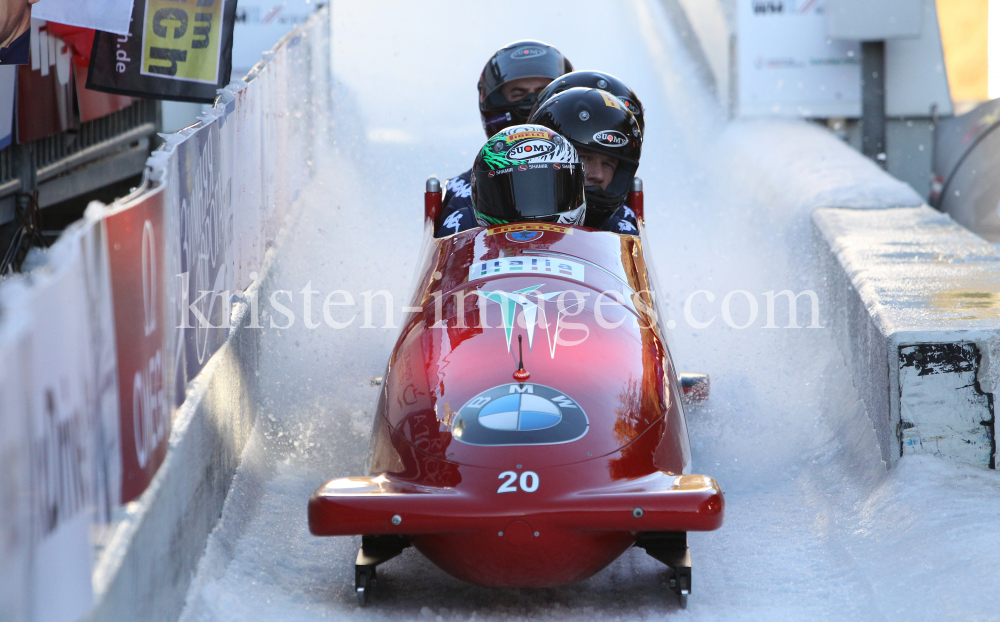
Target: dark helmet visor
column 539, row 192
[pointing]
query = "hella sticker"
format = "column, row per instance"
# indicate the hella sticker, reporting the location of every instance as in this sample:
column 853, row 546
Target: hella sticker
column 611, row 138
column 527, row 149
column 528, row 51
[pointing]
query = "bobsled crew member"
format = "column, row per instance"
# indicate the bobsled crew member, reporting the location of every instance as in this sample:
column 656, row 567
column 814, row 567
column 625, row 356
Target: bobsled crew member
column 526, row 173
column 508, row 89
column 609, row 141
column 595, row 80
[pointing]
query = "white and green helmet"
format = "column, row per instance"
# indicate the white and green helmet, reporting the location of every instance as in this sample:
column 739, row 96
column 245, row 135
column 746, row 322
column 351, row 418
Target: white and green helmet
column 528, row 173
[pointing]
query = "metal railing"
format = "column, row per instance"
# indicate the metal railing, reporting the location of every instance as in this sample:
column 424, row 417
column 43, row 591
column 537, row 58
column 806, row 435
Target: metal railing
column 25, row 168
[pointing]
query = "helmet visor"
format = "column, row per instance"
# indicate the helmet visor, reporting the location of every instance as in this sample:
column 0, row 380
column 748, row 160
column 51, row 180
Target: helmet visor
column 529, row 191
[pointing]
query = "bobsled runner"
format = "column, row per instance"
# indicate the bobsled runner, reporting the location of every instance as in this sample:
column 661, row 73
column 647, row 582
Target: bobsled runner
column 530, row 426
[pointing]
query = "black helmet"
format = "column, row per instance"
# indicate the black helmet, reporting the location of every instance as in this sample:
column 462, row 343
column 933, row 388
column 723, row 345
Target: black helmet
column 528, row 173
column 596, row 80
column 521, row 59
column 595, row 120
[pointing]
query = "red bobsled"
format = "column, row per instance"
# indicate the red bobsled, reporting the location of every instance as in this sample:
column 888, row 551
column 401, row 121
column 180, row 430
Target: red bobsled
column 529, row 428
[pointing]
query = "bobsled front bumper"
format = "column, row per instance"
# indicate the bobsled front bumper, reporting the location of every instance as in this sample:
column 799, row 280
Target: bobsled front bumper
column 381, row 505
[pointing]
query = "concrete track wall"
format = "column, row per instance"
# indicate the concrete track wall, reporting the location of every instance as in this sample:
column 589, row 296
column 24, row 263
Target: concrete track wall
column 910, row 294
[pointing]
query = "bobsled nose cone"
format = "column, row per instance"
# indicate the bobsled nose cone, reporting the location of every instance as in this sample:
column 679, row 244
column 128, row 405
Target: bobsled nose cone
column 518, row 533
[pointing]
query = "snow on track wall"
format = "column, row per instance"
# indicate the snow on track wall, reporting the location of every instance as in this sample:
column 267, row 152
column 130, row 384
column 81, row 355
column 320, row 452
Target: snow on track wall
column 122, row 413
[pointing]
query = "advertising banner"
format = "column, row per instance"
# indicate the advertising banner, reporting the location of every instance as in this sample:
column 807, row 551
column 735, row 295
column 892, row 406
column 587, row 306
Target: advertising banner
column 102, row 365
column 136, row 255
column 789, row 67
column 206, row 233
column 15, row 461
column 107, row 15
column 174, row 50
column 61, row 445
column 45, row 88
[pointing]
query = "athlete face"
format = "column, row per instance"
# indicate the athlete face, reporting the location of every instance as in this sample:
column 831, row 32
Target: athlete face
column 599, row 168
column 15, row 19
column 520, row 88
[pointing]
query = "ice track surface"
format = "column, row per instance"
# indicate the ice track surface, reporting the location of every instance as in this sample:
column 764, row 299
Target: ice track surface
column 816, row 528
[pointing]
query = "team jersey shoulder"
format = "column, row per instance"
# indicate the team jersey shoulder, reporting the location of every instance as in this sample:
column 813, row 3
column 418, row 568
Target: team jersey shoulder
column 459, row 220
column 622, row 221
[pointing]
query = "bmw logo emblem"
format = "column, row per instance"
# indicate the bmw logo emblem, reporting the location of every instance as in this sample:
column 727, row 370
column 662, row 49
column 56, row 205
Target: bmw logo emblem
column 520, row 414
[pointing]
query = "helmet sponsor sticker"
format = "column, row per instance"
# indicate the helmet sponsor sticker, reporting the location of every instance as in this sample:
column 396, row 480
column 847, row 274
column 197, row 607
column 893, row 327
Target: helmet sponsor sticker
column 611, row 138
column 524, row 236
column 522, row 167
column 520, row 414
column 628, row 104
column 610, row 100
column 516, row 136
column 528, row 51
column 535, row 148
column 526, row 265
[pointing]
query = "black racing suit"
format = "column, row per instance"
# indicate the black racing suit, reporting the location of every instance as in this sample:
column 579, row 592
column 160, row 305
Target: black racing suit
column 457, row 214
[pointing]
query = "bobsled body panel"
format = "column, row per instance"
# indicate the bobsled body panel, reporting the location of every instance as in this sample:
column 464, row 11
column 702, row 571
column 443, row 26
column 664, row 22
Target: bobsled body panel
column 519, row 481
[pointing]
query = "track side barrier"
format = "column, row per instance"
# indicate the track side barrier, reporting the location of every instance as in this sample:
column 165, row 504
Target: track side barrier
column 128, row 355
column 910, row 295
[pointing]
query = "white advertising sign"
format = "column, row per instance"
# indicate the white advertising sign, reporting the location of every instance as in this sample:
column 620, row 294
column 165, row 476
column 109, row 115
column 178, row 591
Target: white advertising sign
column 788, row 67
column 107, row 15
column 62, row 446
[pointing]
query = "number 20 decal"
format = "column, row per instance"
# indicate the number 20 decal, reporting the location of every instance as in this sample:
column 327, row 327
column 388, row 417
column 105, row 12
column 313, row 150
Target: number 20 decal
column 529, row 481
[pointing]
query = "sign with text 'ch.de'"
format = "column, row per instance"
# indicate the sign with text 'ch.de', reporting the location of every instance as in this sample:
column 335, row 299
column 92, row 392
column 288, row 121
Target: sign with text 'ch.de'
column 174, row 50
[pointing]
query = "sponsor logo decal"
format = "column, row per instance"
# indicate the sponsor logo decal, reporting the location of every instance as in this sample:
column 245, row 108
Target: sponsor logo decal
column 492, row 173
column 531, row 226
column 611, row 138
column 528, row 149
column 526, row 265
column 528, row 51
column 533, row 310
column 524, row 236
column 610, row 100
column 522, row 167
column 520, row 414
column 516, row 136
column 628, row 104
column 556, row 166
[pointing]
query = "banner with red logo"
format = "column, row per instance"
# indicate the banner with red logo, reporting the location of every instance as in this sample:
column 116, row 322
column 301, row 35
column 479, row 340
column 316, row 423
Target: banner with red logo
column 136, row 251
